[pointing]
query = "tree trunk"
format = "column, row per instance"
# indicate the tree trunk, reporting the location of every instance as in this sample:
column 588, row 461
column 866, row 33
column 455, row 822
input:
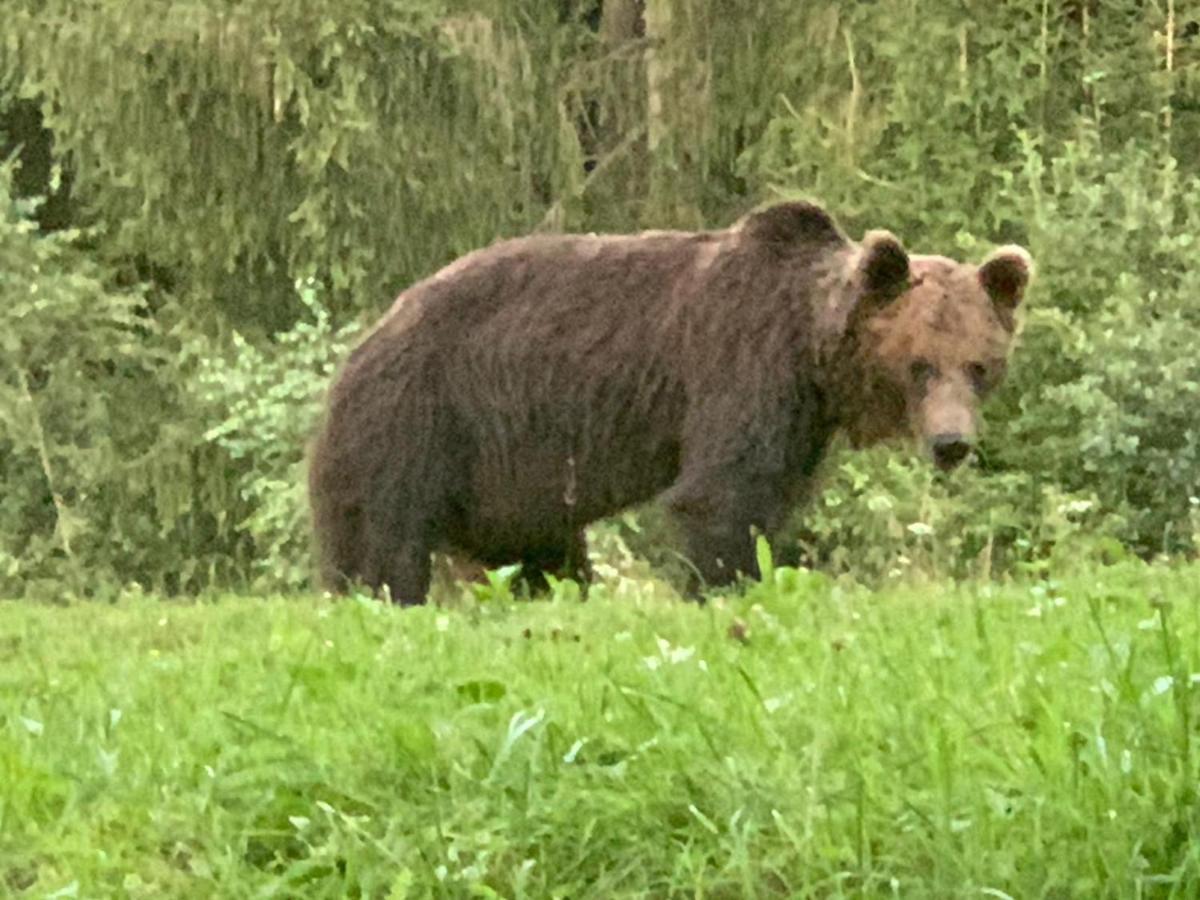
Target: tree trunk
column 621, row 21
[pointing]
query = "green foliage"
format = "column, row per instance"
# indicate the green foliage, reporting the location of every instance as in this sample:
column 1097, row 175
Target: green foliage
column 961, row 128
column 265, row 404
column 1109, row 374
column 93, row 494
column 882, row 515
column 809, row 741
column 239, row 147
column 1096, row 418
column 60, row 331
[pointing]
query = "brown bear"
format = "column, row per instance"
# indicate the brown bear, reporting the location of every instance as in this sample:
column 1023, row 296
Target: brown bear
column 535, row 386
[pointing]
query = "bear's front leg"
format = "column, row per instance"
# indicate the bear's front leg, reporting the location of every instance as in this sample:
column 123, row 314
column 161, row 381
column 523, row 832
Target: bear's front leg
column 719, row 514
column 747, row 455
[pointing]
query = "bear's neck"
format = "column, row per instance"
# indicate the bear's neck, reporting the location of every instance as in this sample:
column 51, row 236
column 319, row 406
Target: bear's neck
column 858, row 401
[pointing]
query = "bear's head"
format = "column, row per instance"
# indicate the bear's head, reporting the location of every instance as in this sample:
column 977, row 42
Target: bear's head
column 926, row 339
column 904, row 345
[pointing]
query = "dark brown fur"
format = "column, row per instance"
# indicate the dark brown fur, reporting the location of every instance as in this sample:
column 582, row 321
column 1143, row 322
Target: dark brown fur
column 533, row 387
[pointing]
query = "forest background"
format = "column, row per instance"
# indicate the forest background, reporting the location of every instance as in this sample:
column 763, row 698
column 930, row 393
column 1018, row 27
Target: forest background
column 202, row 204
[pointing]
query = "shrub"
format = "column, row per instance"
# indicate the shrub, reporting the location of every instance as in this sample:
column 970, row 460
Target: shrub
column 264, row 402
column 103, row 482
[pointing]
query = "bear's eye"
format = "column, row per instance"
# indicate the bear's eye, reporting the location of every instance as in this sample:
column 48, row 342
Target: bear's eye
column 978, row 374
column 921, row 370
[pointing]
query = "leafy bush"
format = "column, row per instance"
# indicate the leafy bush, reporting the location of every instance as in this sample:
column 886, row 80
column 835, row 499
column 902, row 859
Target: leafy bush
column 265, row 402
column 103, row 482
column 1108, row 382
column 1093, row 442
column 237, row 147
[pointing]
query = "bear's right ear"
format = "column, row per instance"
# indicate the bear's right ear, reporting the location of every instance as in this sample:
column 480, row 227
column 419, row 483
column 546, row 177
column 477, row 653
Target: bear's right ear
column 884, row 266
column 786, row 225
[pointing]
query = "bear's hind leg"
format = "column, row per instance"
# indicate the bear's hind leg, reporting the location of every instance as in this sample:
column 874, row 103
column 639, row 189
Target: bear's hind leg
column 568, row 560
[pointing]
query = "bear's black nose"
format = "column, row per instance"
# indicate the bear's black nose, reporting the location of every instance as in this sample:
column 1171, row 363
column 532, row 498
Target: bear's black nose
column 949, row 450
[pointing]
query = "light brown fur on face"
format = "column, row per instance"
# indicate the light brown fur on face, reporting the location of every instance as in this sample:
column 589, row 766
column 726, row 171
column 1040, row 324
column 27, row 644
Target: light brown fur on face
column 929, row 357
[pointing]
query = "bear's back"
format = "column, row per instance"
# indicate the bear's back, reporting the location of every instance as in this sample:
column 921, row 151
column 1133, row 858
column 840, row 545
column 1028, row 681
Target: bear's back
column 553, row 279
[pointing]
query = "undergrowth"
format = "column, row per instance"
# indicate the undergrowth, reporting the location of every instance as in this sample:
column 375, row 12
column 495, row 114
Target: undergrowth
column 802, row 739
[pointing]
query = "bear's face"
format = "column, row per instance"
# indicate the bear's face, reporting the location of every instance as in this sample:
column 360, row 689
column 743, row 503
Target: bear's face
column 932, row 338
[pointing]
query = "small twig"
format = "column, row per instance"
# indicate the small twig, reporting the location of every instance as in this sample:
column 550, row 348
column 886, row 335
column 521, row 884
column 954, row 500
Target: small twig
column 855, row 98
column 630, row 47
column 1170, row 36
column 62, row 514
column 1043, row 67
column 627, row 144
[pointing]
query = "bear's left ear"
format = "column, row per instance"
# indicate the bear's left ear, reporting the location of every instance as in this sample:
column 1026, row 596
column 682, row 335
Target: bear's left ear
column 1005, row 275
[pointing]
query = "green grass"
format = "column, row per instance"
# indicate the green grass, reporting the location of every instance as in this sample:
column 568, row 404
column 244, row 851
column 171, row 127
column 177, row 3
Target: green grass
column 802, row 740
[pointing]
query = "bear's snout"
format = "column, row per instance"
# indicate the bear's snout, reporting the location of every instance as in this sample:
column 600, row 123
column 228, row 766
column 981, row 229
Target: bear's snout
column 949, row 449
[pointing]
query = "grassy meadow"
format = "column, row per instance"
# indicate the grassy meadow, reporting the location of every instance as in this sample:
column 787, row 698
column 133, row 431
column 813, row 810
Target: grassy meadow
column 803, row 739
